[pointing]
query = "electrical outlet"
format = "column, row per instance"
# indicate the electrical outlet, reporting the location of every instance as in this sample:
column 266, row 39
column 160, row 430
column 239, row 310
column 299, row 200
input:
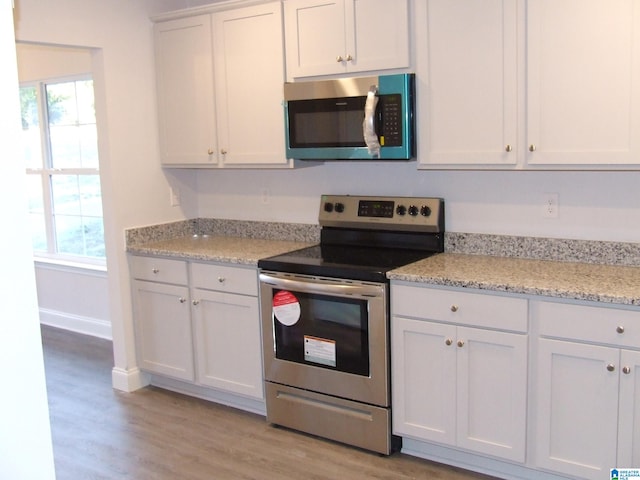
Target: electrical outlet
column 550, row 205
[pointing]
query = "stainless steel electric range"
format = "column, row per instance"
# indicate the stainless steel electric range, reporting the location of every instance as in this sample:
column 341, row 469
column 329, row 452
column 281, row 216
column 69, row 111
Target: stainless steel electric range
column 325, row 312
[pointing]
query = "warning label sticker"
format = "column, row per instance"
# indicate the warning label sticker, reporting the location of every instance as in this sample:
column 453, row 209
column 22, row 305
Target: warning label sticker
column 320, row 350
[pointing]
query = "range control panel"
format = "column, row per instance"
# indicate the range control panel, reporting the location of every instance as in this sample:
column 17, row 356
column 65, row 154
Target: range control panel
column 383, row 213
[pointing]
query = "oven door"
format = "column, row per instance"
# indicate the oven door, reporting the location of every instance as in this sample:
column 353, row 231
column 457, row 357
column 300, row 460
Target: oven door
column 326, row 335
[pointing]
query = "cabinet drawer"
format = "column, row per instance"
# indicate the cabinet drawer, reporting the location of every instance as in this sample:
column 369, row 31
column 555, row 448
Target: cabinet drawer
column 462, row 308
column 159, row 270
column 224, row 278
column 590, row 324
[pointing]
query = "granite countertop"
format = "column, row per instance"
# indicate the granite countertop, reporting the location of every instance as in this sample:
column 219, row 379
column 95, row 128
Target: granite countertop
column 572, row 280
column 217, row 248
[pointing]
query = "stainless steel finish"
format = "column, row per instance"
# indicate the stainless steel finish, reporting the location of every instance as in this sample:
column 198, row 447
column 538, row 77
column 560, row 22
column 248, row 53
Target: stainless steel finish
column 532, row 148
column 448, row 341
column 341, row 87
column 348, row 217
column 454, row 308
column 460, row 343
column 373, row 389
column 620, row 329
column 508, row 148
column 357, row 424
column 626, row 370
column 611, row 367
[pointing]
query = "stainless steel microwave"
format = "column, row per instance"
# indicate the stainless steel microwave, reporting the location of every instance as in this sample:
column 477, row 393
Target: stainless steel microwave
column 351, row 118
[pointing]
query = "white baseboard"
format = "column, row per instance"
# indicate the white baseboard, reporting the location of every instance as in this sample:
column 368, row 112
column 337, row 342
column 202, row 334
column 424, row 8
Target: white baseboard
column 129, row 380
column 88, row 326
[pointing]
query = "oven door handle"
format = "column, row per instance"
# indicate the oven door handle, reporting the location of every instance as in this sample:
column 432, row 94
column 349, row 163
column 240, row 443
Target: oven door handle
column 322, row 286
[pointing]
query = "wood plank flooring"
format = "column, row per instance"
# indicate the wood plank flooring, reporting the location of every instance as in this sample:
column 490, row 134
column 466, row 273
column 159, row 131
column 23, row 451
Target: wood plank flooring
column 101, row 433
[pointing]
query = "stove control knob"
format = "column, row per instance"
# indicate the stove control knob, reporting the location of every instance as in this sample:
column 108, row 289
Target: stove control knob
column 413, row 210
column 339, row 207
column 328, row 207
column 401, row 210
column 425, row 211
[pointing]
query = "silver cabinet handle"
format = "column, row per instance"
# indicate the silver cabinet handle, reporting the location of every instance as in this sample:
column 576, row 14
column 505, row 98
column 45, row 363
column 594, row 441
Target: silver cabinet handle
column 460, row 343
column 626, row 370
column 620, row 329
column 221, row 279
column 532, row 148
column 195, row 302
column 182, row 299
column 448, row 341
column 508, row 148
column 348, row 58
column 155, row 270
column 611, row 367
column 210, row 151
column 454, row 308
column 339, row 58
column 223, row 151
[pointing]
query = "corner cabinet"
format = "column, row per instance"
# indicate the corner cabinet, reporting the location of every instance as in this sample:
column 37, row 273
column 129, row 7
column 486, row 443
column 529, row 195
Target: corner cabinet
column 213, row 111
column 199, row 323
column 508, row 84
column 356, row 36
column 588, row 389
column 459, row 369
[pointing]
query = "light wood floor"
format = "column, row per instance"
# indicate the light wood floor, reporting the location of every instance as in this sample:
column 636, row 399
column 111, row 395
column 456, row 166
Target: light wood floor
column 100, row 433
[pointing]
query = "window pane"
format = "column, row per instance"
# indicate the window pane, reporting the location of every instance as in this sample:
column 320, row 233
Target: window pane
column 82, row 236
column 90, row 195
column 72, row 125
column 32, row 148
column 36, row 212
column 65, row 192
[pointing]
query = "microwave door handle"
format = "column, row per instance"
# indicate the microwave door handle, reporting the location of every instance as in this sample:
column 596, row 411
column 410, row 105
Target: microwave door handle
column 368, row 125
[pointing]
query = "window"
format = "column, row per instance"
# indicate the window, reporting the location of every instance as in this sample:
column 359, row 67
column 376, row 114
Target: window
column 61, row 156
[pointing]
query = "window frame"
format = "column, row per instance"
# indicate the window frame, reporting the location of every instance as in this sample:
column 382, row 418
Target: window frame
column 47, row 172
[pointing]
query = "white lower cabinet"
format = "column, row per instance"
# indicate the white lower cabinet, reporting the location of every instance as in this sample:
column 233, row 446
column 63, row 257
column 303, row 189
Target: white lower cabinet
column 199, row 323
column 587, row 389
column 459, row 369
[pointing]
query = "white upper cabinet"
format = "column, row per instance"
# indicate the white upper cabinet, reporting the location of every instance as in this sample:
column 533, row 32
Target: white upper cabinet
column 583, row 82
column 220, row 78
column 467, row 82
column 249, row 74
column 186, row 104
column 542, row 84
column 325, row 37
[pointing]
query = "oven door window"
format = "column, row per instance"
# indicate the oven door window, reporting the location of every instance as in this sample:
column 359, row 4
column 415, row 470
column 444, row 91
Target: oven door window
column 331, row 332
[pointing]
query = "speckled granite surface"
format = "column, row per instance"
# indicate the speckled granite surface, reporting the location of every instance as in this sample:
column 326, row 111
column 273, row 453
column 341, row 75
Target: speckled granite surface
column 579, row 281
column 238, row 250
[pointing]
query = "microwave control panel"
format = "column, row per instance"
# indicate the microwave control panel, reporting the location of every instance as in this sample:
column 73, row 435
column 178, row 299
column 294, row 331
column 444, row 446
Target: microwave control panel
column 390, row 120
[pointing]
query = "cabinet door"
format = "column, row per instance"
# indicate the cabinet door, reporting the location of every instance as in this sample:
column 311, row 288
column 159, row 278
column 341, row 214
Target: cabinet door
column 492, row 392
column 186, row 107
column 629, row 416
column 163, row 329
column 577, row 408
column 423, row 361
column 228, row 346
column 583, row 82
column 315, row 36
column 377, row 35
column 467, row 82
column 249, row 76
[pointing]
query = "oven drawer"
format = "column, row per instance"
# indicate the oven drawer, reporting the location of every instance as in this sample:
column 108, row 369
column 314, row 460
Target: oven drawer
column 161, row 270
column 354, row 423
column 462, row 308
column 223, row 278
